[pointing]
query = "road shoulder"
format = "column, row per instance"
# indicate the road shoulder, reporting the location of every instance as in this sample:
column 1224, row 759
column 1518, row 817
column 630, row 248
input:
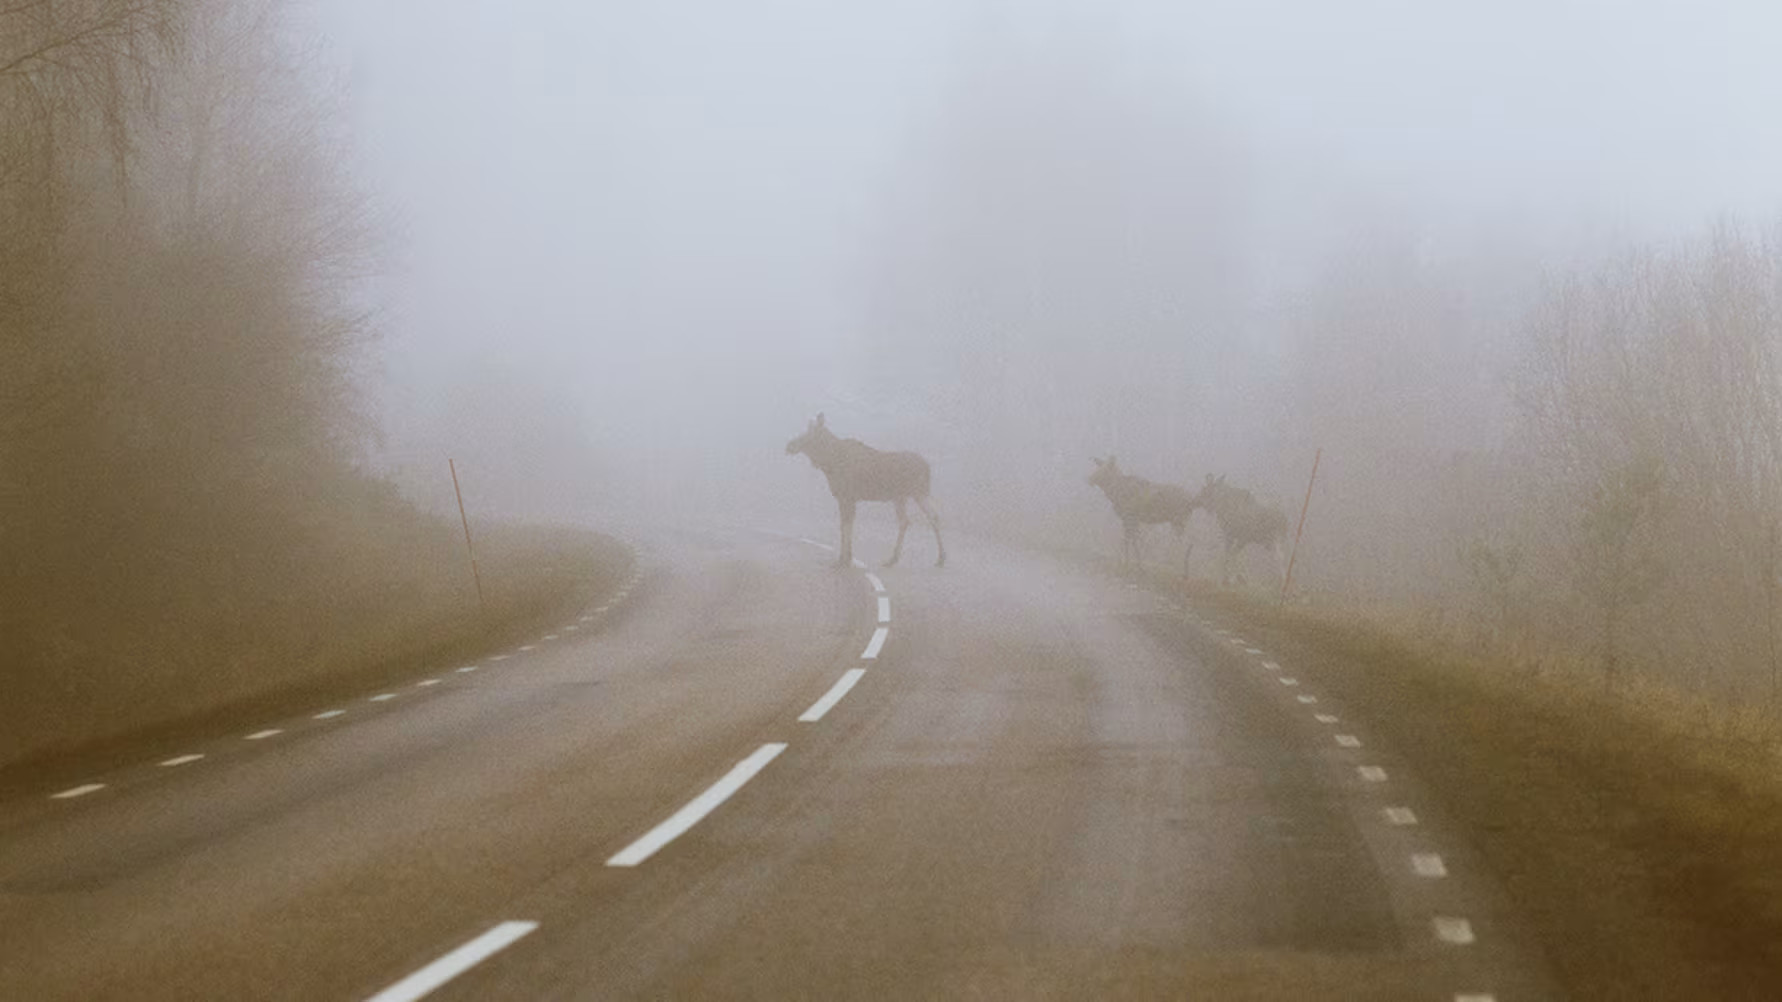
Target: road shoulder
column 1647, row 863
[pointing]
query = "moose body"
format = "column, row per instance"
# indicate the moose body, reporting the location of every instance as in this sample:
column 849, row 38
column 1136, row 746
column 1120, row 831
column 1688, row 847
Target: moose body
column 1139, row 502
column 858, row 472
column 1242, row 521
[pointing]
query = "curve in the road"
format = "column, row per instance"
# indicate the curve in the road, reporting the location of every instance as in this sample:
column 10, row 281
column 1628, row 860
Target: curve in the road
column 1447, row 926
column 619, row 596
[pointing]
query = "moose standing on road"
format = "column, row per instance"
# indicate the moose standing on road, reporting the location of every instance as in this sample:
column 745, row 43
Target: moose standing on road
column 1242, row 521
column 1139, row 502
column 858, row 472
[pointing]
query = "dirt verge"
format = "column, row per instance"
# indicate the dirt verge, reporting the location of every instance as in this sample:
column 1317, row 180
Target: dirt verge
column 533, row 577
column 1639, row 839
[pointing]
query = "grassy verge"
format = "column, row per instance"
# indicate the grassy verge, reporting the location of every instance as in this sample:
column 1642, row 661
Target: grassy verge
column 1639, row 833
column 385, row 617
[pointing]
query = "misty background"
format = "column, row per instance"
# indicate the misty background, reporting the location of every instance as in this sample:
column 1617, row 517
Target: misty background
column 1511, row 266
column 646, row 242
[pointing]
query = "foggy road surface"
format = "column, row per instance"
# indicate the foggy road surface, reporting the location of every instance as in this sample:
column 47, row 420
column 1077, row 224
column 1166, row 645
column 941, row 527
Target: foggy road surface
column 1043, row 784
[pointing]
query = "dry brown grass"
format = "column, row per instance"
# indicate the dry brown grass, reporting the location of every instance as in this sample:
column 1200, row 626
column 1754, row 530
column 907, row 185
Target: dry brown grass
column 127, row 669
column 1638, row 831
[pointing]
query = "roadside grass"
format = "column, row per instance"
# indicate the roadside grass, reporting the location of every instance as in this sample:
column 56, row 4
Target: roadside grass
column 1638, row 831
column 390, row 605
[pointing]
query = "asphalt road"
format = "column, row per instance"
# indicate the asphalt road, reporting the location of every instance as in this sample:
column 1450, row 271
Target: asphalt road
column 1045, row 783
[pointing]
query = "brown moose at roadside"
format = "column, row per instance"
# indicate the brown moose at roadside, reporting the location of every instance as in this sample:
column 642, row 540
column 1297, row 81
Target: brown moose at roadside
column 858, row 472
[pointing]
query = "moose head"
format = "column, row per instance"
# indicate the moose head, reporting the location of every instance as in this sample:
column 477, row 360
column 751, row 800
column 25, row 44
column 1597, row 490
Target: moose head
column 816, row 434
column 1107, row 471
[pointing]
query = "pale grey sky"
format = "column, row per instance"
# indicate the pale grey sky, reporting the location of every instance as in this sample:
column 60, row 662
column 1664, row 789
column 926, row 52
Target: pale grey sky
column 669, row 211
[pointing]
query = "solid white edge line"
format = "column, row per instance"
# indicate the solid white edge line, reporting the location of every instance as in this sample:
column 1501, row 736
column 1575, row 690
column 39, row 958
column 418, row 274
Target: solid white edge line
column 78, row 791
column 884, row 609
column 877, row 585
column 833, row 696
column 425, row 980
column 697, row 808
column 874, row 645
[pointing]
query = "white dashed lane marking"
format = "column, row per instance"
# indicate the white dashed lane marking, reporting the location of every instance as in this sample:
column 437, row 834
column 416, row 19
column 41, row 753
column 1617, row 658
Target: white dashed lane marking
column 550, row 636
column 1290, row 681
column 1399, row 816
column 1475, row 997
column 877, row 585
column 501, row 657
column 1371, row 773
column 884, row 609
column 1307, row 699
column 523, row 648
column 382, row 697
column 876, row 644
column 1428, row 864
column 329, row 714
column 1348, row 741
column 263, row 735
column 833, row 696
column 422, row 982
column 467, row 669
column 78, row 791
column 1453, row 930
column 426, row 682
column 1251, row 650
column 182, row 759
column 696, row 809
column 1271, row 666
column 1324, row 718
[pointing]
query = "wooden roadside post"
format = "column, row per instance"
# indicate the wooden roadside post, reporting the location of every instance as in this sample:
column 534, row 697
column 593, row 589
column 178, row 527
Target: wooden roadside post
column 1287, row 578
column 475, row 575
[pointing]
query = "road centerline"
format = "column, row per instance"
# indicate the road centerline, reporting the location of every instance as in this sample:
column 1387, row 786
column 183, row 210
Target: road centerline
column 696, row 809
column 876, row 644
column 833, row 696
column 459, row 960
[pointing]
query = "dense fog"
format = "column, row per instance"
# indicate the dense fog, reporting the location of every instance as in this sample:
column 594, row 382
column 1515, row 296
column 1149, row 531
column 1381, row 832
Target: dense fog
column 1511, row 267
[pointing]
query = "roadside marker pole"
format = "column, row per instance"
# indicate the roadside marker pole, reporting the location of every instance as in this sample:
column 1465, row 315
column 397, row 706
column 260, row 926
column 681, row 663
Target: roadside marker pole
column 1287, row 579
column 475, row 575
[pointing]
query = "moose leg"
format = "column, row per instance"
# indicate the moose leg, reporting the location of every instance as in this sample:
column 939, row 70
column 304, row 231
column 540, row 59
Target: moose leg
column 934, row 523
column 847, row 533
column 903, row 526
